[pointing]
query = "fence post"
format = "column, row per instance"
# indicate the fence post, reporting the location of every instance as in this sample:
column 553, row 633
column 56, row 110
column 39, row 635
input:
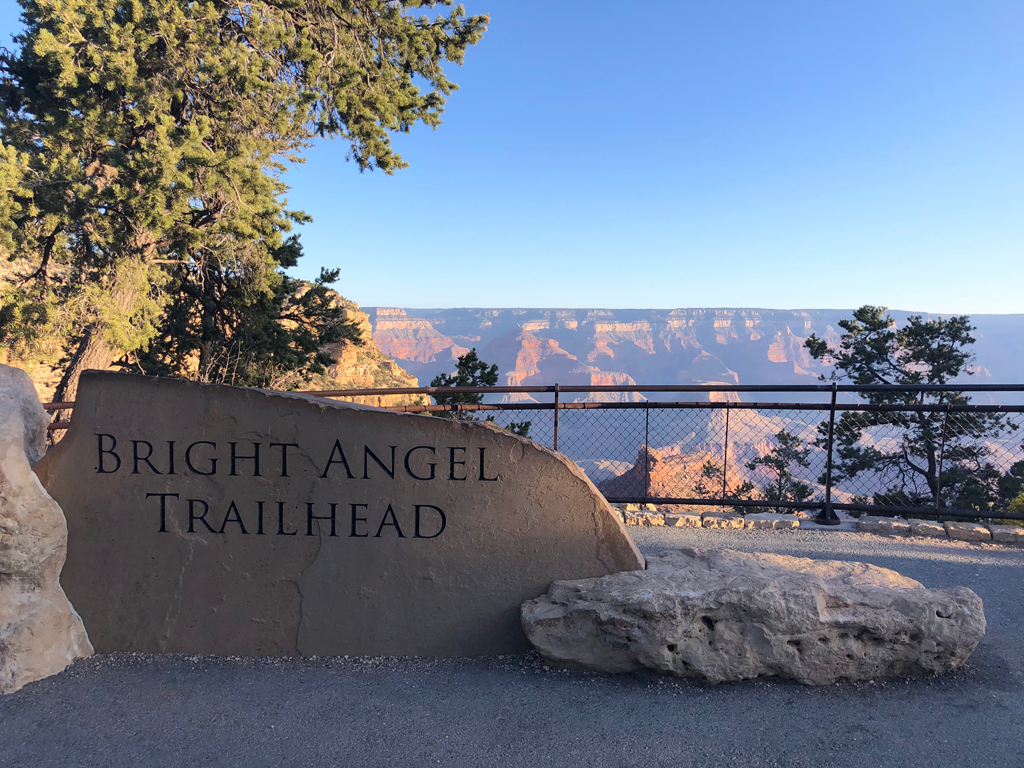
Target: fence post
column 828, row 516
column 647, row 461
column 556, row 417
column 942, row 453
column 725, row 452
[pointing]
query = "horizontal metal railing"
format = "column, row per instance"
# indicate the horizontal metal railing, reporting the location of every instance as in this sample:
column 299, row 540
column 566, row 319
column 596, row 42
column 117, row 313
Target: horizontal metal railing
column 614, row 441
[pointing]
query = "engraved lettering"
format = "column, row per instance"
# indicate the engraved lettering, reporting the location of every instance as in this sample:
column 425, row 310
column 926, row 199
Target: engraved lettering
column 236, row 519
column 482, row 472
column 163, row 508
column 444, row 522
column 453, row 463
column 192, row 516
column 310, row 517
column 188, row 459
column 394, row 522
column 255, row 459
column 340, row 460
column 284, row 455
column 432, row 465
column 136, row 458
column 280, row 522
column 356, row 519
column 101, row 466
column 368, row 454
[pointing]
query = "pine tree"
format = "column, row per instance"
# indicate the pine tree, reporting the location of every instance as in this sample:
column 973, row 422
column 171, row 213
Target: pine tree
column 144, row 143
column 874, row 351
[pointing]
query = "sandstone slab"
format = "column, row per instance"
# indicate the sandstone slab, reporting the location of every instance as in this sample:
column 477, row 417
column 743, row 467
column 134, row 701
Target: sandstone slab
column 968, row 531
column 1007, row 534
column 40, row 633
column 927, row 528
column 220, row 520
column 722, row 520
column 641, row 507
column 771, row 520
column 683, row 520
column 651, row 519
column 720, row 615
column 887, row 525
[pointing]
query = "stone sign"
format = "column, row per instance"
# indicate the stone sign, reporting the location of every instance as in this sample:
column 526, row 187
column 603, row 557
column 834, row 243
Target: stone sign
column 212, row 519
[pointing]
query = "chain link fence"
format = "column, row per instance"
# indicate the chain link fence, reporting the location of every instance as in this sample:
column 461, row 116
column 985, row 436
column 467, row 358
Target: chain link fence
column 950, row 459
column 924, row 450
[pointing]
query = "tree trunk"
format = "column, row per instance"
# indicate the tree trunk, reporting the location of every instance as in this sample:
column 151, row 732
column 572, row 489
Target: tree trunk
column 92, row 352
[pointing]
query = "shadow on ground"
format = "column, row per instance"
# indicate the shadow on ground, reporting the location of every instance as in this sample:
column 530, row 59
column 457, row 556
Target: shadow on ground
column 130, row 710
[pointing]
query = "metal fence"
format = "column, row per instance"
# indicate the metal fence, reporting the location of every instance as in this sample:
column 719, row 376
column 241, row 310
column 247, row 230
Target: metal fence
column 886, row 450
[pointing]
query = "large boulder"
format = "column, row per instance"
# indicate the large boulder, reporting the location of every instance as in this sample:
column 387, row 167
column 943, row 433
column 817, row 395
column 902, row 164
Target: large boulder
column 210, row 519
column 40, row 633
column 19, row 401
column 720, row 615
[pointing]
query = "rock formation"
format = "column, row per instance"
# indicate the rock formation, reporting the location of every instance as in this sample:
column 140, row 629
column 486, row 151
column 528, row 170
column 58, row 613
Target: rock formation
column 724, row 615
column 365, row 367
column 651, row 346
column 40, row 633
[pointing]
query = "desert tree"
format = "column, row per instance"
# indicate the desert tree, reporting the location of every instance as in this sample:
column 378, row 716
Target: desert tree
column 144, row 144
column 903, row 449
column 471, row 371
column 779, row 463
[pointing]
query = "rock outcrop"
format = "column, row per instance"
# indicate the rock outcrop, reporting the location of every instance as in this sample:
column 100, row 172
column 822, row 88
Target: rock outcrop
column 365, row 366
column 40, row 633
column 651, row 346
column 724, row 615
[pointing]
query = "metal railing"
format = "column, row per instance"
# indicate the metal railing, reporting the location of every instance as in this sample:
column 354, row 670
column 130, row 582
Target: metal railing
column 762, row 455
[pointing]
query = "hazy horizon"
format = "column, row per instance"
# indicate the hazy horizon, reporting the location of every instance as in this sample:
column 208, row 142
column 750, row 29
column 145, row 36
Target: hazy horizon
column 672, row 309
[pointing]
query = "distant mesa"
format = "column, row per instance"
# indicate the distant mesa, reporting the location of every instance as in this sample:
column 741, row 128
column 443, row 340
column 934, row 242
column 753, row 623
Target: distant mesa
column 648, row 346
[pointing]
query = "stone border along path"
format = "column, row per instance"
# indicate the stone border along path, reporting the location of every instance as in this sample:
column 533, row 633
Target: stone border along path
column 652, row 516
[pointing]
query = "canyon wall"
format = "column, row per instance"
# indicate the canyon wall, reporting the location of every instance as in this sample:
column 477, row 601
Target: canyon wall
column 679, row 346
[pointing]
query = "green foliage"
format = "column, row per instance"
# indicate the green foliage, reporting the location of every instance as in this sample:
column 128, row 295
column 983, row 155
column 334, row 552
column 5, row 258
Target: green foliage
column 213, row 332
column 710, row 485
column 521, row 428
column 146, row 140
column 788, row 452
column 470, row 371
column 873, row 351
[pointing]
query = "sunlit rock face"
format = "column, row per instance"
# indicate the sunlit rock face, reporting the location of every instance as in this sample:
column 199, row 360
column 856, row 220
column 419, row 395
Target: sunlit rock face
column 365, row 366
column 648, row 346
column 719, row 615
column 40, row 633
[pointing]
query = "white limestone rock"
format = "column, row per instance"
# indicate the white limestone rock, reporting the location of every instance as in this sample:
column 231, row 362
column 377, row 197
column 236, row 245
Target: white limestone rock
column 722, row 520
column 650, row 518
column 771, row 520
column 968, row 531
column 40, row 633
column 720, row 615
column 682, row 520
column 893, row 526
column 1007, row 534
column 18, row 400
column 927, row 528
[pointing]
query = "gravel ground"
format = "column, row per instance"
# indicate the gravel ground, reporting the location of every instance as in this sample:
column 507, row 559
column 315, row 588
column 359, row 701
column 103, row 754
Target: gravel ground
column 135, row 710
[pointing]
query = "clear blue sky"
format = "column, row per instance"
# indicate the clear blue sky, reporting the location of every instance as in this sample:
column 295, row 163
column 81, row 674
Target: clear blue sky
column 681, row 154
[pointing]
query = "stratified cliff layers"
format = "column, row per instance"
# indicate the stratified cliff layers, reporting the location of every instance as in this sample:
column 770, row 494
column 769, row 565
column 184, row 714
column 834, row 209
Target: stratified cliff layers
column 365, row 367
column 626, row 346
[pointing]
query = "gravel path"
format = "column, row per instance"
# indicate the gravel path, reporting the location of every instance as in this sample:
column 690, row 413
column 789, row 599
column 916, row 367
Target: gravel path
column 133, row 710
